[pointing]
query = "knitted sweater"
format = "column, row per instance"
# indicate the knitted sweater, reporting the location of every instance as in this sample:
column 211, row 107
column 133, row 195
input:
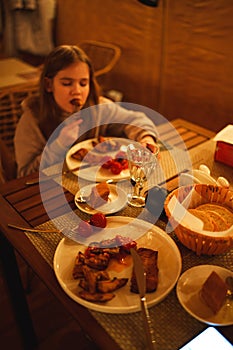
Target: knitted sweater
column 108, row 119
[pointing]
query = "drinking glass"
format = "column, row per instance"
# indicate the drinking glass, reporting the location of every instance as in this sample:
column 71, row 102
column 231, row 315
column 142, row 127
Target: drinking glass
column 142, row 163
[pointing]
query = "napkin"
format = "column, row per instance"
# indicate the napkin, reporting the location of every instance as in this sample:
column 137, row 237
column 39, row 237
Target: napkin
column 224, row 146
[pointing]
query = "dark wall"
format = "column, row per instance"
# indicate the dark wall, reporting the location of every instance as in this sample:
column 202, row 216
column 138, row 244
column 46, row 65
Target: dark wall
column 134, row 27
column 177, row 58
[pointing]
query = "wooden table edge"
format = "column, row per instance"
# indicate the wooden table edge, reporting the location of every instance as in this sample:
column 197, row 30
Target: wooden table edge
column 179, row 122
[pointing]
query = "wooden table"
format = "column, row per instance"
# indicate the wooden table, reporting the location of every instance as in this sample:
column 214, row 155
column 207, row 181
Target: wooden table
column 22, row 205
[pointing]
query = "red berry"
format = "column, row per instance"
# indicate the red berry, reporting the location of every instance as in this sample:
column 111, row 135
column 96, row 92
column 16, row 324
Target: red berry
column 107, row 161
column 124, row 164
column 116, row 168
column 98, row 220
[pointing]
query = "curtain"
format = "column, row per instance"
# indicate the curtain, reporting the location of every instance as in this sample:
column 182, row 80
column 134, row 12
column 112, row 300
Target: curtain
column 28, row 26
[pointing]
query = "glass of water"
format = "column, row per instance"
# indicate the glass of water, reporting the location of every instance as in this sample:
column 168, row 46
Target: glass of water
column 142, row 163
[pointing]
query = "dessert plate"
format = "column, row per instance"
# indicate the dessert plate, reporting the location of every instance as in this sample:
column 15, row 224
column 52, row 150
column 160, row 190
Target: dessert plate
column 188, row 292
column 117, row 200
column 169, row 264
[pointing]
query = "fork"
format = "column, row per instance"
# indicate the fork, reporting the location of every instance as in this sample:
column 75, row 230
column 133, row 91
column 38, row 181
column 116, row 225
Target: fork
column 27, row 229
column 65, row 172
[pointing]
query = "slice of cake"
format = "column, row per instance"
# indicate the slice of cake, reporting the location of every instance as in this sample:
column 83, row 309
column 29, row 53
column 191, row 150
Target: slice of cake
column 214, row 291
column 99, row 195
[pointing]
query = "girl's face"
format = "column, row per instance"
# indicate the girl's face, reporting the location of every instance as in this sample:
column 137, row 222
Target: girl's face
column 70, row 87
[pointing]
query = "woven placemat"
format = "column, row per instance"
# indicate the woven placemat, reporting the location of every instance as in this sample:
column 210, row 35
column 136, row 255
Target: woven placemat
column 171, row 162
column 173, row 325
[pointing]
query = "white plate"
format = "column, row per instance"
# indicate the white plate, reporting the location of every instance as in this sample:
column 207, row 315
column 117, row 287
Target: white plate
column 188, row 293
column 117, row 200
column 96, row 173
column 169, row 264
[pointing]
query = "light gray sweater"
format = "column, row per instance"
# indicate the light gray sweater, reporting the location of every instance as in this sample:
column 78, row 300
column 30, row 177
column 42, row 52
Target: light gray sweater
column 106, row 119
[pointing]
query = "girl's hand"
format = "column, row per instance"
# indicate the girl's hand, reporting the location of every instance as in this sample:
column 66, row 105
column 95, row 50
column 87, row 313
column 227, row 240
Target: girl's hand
column 69, row 134
column 149, row 142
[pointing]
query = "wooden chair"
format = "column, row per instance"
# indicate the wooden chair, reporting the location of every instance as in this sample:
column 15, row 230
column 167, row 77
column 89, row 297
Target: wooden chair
column 11, row 110
column 8, row 169
column 104, row 56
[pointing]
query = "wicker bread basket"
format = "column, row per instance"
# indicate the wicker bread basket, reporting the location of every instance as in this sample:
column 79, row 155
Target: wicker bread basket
column 202, row 242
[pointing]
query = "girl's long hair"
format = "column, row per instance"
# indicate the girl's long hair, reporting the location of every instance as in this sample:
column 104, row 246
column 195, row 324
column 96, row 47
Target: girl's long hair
column 61, row 57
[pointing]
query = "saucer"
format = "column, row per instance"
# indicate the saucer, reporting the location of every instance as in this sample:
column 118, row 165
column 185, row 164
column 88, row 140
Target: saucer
column 117, row 200
column 188, row 292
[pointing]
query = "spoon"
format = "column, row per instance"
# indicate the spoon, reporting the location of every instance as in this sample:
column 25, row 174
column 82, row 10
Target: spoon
column 81, row 199
column 221, row 181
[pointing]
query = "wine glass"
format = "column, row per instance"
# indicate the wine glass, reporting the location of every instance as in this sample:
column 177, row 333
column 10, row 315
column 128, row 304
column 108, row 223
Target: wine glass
column 142, row 163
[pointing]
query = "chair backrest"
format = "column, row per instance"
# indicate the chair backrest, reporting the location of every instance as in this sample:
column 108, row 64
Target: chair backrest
column 8, row 168
column 10, row 113
column 11, row 110
column 104, row 56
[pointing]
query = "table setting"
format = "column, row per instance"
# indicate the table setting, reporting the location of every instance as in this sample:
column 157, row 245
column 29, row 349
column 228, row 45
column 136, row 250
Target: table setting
column 171, row 258
column 172, row 322
column 140, row 214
